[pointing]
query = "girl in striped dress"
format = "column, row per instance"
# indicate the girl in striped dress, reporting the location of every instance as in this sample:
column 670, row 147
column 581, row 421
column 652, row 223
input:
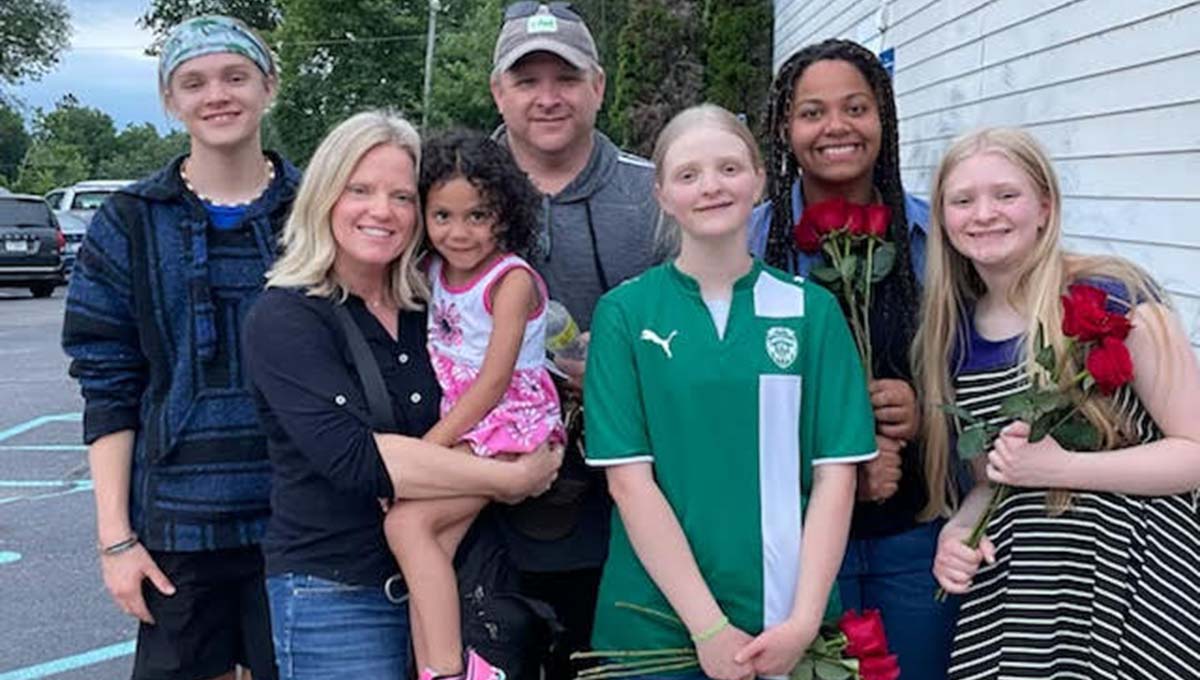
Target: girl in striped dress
column 1090, row 568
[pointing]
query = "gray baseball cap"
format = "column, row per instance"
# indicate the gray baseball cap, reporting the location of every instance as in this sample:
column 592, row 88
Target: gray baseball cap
column 535, row 27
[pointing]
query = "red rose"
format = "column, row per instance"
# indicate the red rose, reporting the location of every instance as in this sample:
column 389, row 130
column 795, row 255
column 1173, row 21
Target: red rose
column 879, row 216
column 864, row 634
column 826, row 217
column 806, row 237
column 1086, row 318
column 879, row 667
column 856, row 220
column 1110, row 364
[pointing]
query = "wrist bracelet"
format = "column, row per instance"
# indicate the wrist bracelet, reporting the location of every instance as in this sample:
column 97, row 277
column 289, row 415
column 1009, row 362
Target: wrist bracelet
column 120, row 546
column 711, row 632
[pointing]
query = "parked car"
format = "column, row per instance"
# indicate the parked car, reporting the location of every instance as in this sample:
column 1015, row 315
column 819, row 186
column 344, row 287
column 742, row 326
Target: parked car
column 75, row 205
column 31, row 245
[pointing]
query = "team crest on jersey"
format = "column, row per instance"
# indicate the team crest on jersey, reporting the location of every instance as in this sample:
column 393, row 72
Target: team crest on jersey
column 782, row 346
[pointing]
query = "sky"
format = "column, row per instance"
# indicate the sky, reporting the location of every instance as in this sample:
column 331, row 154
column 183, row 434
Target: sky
column 105, row 68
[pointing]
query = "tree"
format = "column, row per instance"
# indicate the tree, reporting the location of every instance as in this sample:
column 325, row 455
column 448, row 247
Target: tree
column 89, row 130
column 605, row 19
column 51, row 164
column 33, row 33
column 342, row 58
column 659, row 71
column 14, row 142
column 139, row 150
column 737, row 61
column 163, row 15
column 463, row 66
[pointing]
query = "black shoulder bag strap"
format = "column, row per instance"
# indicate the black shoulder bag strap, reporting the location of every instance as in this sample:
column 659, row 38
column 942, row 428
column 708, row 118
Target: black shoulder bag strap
column 378, row 401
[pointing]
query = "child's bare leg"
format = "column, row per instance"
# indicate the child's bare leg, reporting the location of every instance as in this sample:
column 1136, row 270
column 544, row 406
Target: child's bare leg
column 423, row 535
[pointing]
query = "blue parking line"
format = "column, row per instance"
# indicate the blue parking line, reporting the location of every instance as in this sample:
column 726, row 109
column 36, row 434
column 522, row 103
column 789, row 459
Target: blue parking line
column 70, row 663
column 38, row 422
column 43, row 447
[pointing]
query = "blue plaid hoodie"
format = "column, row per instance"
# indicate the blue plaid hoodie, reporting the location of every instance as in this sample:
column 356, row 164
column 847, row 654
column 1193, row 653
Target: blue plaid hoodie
column 153, row 316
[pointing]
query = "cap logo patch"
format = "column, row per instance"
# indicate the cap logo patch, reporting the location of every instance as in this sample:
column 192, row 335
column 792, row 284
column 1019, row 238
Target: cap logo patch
column 542, row 23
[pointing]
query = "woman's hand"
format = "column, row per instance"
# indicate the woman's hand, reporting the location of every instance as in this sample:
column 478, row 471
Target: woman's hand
column 123, row 576
column 955, row 564
column 895, row 405
column 717, row 655
column 1015, row 461
column 778, row 649
column 530, row 474
column 879, row 478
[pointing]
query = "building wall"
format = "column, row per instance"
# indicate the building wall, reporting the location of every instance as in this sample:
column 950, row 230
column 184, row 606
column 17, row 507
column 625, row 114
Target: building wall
column 1110, row 87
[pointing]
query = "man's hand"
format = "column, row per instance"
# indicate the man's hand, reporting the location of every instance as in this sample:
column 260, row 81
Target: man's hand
column 879, row 478
column 895, row 405
column 123, row 576
column 532, row 473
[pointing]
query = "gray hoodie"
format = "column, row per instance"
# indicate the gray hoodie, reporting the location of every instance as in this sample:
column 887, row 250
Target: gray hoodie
column 599, row 230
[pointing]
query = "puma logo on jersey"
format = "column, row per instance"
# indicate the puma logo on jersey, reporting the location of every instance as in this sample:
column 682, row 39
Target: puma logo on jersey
column 650, row 336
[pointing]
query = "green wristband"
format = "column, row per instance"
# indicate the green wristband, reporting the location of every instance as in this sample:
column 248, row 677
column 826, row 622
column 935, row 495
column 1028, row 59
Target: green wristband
column 711, row 632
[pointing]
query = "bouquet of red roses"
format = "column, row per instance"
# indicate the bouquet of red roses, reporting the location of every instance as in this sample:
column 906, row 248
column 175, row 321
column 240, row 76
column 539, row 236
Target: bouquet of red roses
column 856, row 649
column 1093, row 333
column 853, row 239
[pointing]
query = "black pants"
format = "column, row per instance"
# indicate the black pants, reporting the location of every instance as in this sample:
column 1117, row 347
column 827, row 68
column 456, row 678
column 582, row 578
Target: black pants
column 573, row 596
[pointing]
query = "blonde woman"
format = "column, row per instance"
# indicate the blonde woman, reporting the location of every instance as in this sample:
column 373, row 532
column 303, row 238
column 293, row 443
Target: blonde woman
column 1102, row 578
column 351, row 241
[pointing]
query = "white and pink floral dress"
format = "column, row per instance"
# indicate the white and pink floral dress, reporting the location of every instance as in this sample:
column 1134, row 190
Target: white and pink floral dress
column 460, row 325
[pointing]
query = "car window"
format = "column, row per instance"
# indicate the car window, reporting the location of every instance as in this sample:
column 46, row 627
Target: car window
column 54, row 198
column 24, row 212
column 89, row 200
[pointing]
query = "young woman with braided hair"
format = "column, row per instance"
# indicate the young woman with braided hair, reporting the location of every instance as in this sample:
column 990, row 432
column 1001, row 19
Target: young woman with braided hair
column 834, row 135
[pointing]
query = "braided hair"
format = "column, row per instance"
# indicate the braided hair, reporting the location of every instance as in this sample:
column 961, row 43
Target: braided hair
column 896, row 302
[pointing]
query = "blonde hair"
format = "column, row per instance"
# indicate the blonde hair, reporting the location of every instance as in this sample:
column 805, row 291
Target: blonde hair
column 667, row 232
column 952, row 285
column 309, row 248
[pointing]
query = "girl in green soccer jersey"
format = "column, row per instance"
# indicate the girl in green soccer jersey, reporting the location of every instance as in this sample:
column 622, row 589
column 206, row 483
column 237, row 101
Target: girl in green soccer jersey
column 727, row 404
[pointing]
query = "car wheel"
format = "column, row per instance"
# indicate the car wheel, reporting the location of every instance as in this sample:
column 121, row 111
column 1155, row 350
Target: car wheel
column 41, row 290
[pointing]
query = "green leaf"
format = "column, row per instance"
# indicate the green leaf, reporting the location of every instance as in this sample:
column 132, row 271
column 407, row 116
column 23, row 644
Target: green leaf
column 882, row 261
column 1047, row 359
column 972, row 442
column 825, row 274
column 848, row 266
column 829, row 670
column 803, row 670
column 1041, row 426
column 1077, row 434
column 961, row 413
column 1019, row 406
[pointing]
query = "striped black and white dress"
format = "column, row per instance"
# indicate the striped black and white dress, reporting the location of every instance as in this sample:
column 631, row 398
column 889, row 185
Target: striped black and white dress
column 1108, row 589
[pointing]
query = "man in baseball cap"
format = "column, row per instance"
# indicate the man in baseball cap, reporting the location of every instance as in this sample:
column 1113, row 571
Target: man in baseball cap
column 597, row 226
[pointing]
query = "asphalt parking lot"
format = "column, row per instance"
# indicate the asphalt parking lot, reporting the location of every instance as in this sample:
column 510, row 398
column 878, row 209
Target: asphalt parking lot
column 57, row 620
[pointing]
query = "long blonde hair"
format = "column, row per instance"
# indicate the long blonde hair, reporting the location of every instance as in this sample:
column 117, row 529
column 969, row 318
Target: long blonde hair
column 309, row 248
column 952, row 287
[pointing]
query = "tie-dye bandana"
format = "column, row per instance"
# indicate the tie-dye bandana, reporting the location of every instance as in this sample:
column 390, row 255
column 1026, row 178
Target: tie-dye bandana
column 210, row 35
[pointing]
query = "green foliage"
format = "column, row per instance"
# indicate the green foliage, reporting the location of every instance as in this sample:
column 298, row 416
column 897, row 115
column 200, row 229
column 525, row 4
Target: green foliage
column 606, row 19
column 14, row 142
column 33, row 34
column 342, row 58
column 164, row 15
column 460, row 94
column 72, row 143
column 88, row 129
column 659, row 70
column 737, row 59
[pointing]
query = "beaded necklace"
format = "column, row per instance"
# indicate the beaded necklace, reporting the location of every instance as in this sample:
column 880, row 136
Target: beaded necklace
column 269, row 177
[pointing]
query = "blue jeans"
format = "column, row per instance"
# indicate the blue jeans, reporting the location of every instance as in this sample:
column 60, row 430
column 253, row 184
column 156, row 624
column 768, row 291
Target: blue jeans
column 324, row 630
column 894, row 574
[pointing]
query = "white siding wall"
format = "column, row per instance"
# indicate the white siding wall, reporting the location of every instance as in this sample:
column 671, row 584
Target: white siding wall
column 1110, row 87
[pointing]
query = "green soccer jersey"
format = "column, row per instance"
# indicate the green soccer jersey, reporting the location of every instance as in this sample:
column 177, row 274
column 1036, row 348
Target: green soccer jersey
column 732, row 426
